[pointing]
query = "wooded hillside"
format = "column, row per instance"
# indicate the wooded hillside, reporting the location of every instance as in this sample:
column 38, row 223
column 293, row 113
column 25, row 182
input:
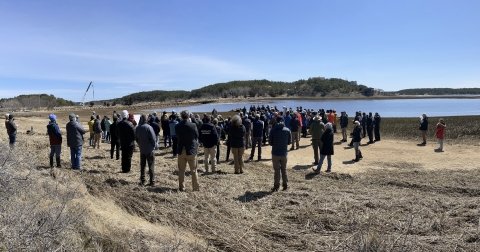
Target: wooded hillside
column 35, row 101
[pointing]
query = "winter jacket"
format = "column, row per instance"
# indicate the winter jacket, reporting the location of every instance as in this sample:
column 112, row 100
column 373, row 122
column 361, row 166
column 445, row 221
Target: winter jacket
column 236, row 136
column 316, row 129
column 370, row 122
column 327, row 142
column 187, row 133
column 424, row 124
column 113, row 133
column 299, row 117
column 257, row 128
column 145, row 137
column 377, row 120
column 294, row 124
column 126, row 133
column 343, row 121
column 440, row 130
column 155, row 127
column 208, row 135
column 132, row 120
column 102, row 123
column 247, row 124
column 11, row 127
column 172, row 125
column 97, row 127
column 165, row 123
column 280, row 137
column 107, row 125
column 54, row 133
column 357, row 134
column 90, row 126
column 288, row 119
column 75, row 134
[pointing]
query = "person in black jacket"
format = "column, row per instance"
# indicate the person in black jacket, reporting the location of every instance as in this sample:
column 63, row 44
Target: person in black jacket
column 327, row 148
column 343, row 125
column 370, row 128
column 165, row 123
column 376, row 120
column 156, row 129
column 126, row 133
column 11, row 130
column 236, row 138
column 209, row 137
column 114, row 144
column 423, row 128
column 187, row 133
column 219, row 132
column 295, row 130
column 357, row 137
column 257, row 136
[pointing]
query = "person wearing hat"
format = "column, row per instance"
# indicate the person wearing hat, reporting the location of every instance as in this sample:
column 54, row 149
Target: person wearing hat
column 75, row 141
column 316, row 129
column 327, row 148
column 91, row 131
column 55, row 137
column 126, row 134
column 357, row 137
column 280, row 137
column 11, row 130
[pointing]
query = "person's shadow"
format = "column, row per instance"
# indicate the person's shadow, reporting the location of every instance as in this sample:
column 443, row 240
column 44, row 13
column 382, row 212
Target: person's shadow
column 253, row 196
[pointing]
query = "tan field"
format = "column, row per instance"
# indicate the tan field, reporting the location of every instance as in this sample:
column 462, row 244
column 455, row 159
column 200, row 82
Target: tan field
column 399, row 197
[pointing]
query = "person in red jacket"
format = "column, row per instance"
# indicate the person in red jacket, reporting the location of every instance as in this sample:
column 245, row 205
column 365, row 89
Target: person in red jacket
column 440, row 130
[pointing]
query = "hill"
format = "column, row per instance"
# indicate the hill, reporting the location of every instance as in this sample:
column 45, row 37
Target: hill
column 436, row 91
column 311, row 87
column 35, row 101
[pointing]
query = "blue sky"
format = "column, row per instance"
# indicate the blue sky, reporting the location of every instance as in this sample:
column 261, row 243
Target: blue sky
column 58, row 47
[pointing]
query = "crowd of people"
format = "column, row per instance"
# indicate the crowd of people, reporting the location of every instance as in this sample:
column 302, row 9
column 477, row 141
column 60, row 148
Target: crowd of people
column 186, row 133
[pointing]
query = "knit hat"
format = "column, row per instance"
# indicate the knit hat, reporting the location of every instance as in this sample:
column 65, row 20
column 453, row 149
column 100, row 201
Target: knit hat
column 124, row 114
column 280, row 119
column 72, row 115
column 10, row 117
column 328, row 126
column 52, row 117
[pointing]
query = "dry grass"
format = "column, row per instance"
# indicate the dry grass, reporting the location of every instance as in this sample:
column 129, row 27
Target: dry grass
column 405, row 208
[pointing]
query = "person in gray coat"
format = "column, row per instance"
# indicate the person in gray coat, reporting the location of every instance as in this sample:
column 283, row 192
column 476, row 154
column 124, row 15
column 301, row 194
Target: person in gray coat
column 145, row 137
column 75, row 141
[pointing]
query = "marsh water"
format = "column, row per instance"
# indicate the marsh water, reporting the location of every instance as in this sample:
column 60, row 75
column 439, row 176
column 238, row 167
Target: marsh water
column 386, row 108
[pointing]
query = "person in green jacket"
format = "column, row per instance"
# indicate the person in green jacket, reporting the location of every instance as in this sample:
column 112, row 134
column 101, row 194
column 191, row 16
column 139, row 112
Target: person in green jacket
column 316, row 129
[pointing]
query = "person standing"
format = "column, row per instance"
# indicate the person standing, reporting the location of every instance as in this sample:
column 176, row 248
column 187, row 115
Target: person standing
column 376, row 120
column 209, row 138
column 236, row 139
column 423, row 128
column 370, row 128
column 316, row 130
column 97, row 129
column 295, row 129
column 55, row 137
column 156, row 129
column 173, row 122
column 107, row 129
column 257, row 137
column 145, row 137
column 440, row 131
column 187, row 133
column 247, row 123
column 357, row 137
column 75, row 141
column 343, row 125
column 327, row 148
column 11, row 130
column 6, row 120
column 126, row 134
column 91, row 131
column 165, row 124
column 114, row 143
column 219, row 132
column 280, row 137
column 104, row 127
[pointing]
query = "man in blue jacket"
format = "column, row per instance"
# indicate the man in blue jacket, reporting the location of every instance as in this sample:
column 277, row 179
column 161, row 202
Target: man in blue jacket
column 280, row 137
column 209, row 138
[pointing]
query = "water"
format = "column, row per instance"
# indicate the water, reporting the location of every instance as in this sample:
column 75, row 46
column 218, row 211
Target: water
column 386, row 108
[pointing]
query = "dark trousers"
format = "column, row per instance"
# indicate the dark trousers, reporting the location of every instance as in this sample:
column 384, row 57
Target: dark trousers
column 304, row 131
column 256, row 141
column 150, row 158
column 218, row 153
column 115, row 146
column 174, row 145
column 364, row 134
column 228, row 149
column 127, row 152
column 377, row 133
column 370, row 133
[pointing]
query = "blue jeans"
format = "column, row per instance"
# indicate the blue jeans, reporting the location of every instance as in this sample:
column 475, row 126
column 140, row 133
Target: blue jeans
column 55, row 149
column 156, row 142
column 329, row 159
column 76, row 157
column 169, row 140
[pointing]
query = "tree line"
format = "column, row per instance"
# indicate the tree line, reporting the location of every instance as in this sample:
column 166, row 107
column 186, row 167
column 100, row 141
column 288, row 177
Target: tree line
column 35, row 101
column 437, row 91
column 253, row 88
